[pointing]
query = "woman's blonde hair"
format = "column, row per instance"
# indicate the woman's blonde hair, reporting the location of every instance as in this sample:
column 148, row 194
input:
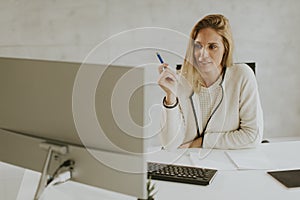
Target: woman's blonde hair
column 221, row 25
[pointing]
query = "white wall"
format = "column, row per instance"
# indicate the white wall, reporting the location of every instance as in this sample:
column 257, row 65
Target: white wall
column 265, row 31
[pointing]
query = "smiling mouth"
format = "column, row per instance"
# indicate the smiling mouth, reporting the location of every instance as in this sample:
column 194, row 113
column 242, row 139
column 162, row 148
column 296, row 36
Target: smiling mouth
column 204, row 63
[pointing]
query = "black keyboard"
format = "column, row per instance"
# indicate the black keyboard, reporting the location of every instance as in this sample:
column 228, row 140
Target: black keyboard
column 179, row 173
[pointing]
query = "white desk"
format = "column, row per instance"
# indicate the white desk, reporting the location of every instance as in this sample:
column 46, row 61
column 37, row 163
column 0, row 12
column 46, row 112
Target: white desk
column 240, row 184
column 228, row 184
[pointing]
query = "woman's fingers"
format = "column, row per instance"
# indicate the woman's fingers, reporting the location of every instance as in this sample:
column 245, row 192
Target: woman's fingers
column 167, row 73
column 162, row 67
column 167, row 78
column 185, row 145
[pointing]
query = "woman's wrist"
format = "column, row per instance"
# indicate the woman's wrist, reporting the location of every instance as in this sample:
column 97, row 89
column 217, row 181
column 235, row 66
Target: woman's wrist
column 167, row 105
column 170, row 99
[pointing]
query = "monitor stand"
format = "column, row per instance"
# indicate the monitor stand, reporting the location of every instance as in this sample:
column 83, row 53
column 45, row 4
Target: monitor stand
column 62, row 174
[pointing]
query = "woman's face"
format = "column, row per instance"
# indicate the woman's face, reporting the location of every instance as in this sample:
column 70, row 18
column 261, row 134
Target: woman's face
column 208, row 50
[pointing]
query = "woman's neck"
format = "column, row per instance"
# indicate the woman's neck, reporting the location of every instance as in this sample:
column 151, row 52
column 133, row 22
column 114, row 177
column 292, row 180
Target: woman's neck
column 209, row 78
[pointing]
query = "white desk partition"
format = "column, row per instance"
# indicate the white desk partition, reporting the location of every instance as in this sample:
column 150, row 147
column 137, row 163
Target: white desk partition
column 229, row 183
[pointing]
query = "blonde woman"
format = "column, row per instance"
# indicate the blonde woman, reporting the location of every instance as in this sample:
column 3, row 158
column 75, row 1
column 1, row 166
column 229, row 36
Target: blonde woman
column 213, row 103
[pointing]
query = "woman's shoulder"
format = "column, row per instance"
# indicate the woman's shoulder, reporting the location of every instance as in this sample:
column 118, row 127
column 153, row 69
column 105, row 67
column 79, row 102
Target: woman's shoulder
column 241, row 70
column 240, row 74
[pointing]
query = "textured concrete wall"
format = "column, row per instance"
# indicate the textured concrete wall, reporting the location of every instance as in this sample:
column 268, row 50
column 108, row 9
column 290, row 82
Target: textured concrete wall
column 265, row 31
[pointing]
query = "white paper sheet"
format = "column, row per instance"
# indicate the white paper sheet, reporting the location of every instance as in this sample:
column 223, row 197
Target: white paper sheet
column 249, row 159
column 209, row 158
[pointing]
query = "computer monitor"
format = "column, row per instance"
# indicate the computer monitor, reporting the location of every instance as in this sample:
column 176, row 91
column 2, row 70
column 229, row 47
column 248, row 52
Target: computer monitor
column 95, row 112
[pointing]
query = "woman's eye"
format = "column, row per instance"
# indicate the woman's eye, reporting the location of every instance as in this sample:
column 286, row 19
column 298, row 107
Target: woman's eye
column 212, row 46
column 197, row 46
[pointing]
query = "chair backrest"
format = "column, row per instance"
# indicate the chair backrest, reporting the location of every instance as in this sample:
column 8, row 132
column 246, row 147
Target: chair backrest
column 252, row 66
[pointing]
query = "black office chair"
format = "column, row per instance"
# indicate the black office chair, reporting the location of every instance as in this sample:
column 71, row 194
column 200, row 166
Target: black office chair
column 251, row 65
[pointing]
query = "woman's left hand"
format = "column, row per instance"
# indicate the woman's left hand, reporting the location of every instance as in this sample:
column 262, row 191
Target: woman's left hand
column 193, row 144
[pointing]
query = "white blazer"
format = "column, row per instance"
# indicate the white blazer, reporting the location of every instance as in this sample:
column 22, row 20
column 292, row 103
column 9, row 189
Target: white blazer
column 237, row 123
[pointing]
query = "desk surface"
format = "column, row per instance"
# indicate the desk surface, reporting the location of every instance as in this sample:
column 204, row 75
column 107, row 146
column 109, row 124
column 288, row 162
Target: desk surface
column 229, row 183
column 238, row 184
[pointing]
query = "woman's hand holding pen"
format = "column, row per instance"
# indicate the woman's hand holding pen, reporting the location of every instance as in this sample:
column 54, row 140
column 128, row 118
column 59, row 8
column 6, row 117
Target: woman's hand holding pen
column 168, row 82
column 196, row 143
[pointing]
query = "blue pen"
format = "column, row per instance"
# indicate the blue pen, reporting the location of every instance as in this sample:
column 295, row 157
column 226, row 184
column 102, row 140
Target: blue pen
column 159, row 57
column 161, row 61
